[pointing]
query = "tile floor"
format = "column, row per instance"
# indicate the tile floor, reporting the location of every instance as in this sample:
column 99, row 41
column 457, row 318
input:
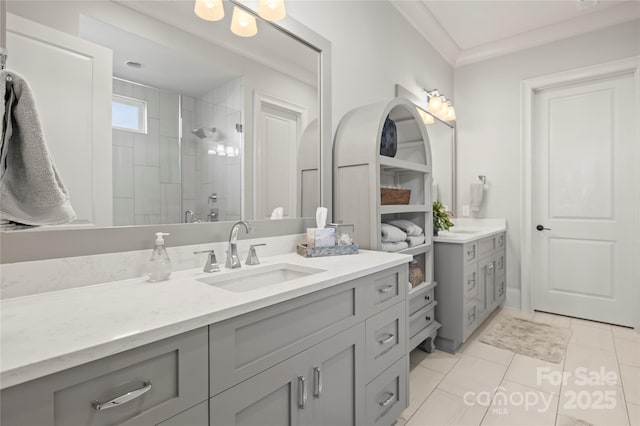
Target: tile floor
column 503, row 388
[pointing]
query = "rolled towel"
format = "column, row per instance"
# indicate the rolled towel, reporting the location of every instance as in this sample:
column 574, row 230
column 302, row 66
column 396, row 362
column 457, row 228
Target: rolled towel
column 415, row 240
column 390, row 247
column 392, row 234
column 407, row 226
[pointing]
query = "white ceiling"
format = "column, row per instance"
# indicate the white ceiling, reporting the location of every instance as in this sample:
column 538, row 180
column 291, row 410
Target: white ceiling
column 467, row 31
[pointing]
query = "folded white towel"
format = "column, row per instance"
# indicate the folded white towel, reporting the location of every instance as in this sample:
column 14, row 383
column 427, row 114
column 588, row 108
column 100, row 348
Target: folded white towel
column 394, row 246
column 31, row 191
column 392, row 234
column 415, row 240
column 407, row 226
column 476, row 191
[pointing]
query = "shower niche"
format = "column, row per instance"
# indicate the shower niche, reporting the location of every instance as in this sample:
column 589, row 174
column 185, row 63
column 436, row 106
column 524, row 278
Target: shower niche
column 184, row 163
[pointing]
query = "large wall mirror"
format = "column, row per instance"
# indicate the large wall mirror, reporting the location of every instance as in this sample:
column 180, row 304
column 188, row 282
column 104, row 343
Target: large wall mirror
column 442, row 137
column 156, row 116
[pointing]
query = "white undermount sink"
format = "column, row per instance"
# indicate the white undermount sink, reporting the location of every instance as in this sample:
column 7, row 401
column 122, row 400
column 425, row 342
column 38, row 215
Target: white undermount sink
column 464, row 230
column 256, row 277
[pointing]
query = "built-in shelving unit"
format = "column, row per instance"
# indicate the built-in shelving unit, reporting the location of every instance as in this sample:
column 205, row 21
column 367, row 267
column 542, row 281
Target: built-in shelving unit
column 359, row 173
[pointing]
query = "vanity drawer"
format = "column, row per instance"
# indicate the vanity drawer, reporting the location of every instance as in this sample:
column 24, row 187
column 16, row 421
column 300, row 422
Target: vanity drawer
column 421, row 299
column 195, row 416
column 500, row 262
column 246, row 345
column 169, row 376
column 470, row 252
column 386, row 339
column 470, row 282
column 469, row 318
column 385, row 289
column 421, row 319
column 386, row 396
column 486, row 245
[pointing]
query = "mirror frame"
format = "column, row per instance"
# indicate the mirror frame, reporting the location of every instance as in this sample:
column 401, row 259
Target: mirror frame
column 401, row 91
column 70, row 241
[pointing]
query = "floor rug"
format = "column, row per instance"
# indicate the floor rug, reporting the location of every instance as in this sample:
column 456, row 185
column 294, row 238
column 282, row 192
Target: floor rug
column 542, row 341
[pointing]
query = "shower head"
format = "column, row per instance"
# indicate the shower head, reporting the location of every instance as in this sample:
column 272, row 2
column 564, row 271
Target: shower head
column 204, row 132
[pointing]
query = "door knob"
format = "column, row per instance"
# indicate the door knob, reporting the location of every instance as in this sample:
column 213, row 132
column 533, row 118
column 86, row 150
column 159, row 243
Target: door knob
column 542, row 228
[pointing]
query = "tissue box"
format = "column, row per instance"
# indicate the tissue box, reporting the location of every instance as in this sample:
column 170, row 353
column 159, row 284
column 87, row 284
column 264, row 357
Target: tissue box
column 321, row 237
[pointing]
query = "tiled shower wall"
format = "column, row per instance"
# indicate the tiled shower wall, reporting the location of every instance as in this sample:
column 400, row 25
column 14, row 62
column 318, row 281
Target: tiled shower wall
column 146, row 167
column 220, row 108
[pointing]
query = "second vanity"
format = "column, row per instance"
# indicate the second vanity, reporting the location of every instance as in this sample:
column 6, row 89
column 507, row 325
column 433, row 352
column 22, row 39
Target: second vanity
column 324, row 344
column 470, row 268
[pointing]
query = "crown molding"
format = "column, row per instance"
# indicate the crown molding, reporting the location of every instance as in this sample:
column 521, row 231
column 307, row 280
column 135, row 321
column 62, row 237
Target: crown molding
column 548, row 34
column 421, row 18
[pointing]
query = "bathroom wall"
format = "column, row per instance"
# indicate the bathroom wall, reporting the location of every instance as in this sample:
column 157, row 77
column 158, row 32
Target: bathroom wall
column 146, row 167
column 372, row 48
column 489, row 138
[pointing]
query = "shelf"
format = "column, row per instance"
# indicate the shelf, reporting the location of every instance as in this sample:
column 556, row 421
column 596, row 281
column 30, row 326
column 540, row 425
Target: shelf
column 421, row 287
column 422, row 248
column 395, row 164
column 404, row 208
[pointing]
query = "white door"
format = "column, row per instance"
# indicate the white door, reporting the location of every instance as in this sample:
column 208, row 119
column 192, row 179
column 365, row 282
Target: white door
column 584, row 193
column 276, row 155
column 59, row 66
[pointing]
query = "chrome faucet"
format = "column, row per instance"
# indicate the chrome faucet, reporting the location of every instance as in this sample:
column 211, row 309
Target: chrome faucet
column 233, row 261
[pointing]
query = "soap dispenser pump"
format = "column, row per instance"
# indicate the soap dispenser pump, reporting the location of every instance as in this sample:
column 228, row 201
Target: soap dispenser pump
column 159, row 264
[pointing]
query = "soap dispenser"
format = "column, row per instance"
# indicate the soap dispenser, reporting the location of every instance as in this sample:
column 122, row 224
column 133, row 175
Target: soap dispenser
column 159, row 264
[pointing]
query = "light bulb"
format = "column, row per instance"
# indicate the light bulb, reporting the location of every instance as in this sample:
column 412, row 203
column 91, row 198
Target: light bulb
column 230, row 152
column 272, row 10
column 209, row 10
column 237, row 151
column 220, row 150
column 243, row 24
column 434, row 104
column 451, row 114
column 426, row 117
column 211, row 152
column 442, row 112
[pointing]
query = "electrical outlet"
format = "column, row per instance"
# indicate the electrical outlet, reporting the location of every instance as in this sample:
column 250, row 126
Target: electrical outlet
column 465, row 211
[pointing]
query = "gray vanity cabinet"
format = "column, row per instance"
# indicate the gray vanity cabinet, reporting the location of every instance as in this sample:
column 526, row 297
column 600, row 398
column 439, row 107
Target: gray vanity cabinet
column 174, row 370
column 471, row 285
column 194, row 416
column 319, row 386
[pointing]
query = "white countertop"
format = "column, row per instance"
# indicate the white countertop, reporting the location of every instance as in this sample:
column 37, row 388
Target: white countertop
column 466, row 231
column 51, row 332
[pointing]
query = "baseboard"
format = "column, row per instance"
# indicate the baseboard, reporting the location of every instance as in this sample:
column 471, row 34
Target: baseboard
column 513, row 298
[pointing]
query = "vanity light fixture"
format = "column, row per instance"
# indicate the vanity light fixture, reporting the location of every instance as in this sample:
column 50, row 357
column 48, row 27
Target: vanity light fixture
column 427, row 118
column 243, row 24
column 272, row 10
column 209, row 10
column 440, row 106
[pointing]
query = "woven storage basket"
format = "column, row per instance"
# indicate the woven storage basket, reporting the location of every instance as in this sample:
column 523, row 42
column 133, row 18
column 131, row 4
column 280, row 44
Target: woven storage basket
column 394, row 196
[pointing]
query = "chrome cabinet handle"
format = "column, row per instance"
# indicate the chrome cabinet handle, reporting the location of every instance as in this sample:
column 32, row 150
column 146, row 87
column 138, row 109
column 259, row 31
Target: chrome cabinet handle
column 122, row 399
column 490, row 266
column 385, row 289
column 471, row 287
column 317, row 380
column 302, row 392
column 387, row 339
column 389, row 400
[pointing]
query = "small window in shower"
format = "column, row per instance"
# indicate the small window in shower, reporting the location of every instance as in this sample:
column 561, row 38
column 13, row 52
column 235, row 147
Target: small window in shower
column 129, row 114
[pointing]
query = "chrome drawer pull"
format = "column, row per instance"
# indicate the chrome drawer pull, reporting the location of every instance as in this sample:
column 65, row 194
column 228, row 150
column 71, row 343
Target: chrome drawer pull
column 471, row 287
column 385, row 289
column 302, row 392
column 389, row 400
column 317, row 379
column 387, row 339
column 122, row 399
